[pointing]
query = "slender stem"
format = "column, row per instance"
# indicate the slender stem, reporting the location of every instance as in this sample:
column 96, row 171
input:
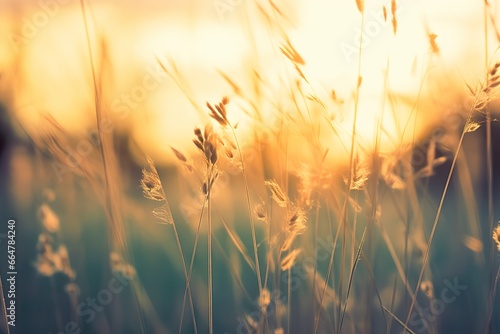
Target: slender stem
column 252, row 224
column 210, row 272
column 351, row 171
column 289, row 300
column 316, row 232
column 438, row 213
column 4, row 307
column 188, row 284
column 188, row 279
column 489, row 171
column 351, row 276
column 490, row 312
column 329, row 271
column 118, row 239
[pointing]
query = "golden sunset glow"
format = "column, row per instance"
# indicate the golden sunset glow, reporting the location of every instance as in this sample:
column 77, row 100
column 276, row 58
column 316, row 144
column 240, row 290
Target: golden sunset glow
column 50, row 66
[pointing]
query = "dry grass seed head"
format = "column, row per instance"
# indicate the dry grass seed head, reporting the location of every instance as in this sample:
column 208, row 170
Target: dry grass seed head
column 432, row 42
column 62, row 262
column 354, row 204
column 49, row 261
column 472, row 126
column 207, row 143
column 291, row 53
column 44, row 244
column 361, row 5
column 289, row 260
column 484, row 94
column 151, row 183
column 494, row 79
column 163, row 214
column 118, row 264
column 115, row 259
column 219, row 112
column 494, row 69
column 44, row 268
column 428, row 289
column 288, row 242
column 359, row 178
column 152, row 188
column 394, row 19
column 210, row 152
column 179, row 155
column 199, row 136
column 251, row 324
column 474, row 244
column 48, row 218
column 264, row 299
column 261, row 212
column 310, row 181
column 388, row 171
column 277, row 194
column 297, row 222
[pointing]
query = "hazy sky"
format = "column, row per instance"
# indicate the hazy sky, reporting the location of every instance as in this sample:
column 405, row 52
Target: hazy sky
column 43, row 51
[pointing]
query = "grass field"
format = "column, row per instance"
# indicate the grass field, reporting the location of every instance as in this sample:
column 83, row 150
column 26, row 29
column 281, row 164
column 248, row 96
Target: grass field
column 230, row 166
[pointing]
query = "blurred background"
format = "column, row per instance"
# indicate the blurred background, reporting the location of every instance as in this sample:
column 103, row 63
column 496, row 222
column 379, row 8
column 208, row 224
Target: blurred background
column 291, row 71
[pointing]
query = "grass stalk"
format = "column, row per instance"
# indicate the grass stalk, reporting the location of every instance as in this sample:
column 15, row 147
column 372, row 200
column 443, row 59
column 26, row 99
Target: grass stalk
column 210, row 268
column 249, row 208
column 489, row 174
column 439, row 210
column 4, row 307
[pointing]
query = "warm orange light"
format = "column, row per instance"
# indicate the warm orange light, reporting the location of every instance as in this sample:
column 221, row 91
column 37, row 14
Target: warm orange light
column 46, row 58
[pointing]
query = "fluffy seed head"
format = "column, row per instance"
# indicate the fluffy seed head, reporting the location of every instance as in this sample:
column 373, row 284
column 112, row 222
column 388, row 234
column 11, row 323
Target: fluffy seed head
column 277, row 194
column 163, row 214
column 260, row 211
column 48, row 218
column 289, row 261
column 297, row 222
column 427, row 288
column 264, row 299
column 473, row 244
column 151, row 183
column 288, row 242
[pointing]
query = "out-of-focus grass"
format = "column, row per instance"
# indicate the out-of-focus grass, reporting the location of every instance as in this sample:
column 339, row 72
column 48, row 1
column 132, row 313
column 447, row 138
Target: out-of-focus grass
column 307, row 203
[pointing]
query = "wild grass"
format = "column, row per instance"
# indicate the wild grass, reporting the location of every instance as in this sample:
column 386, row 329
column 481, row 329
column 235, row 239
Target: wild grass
column 305, row 232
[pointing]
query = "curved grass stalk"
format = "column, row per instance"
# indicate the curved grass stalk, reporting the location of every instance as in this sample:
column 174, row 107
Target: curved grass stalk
column 188, row 279
column 249, row 207
column 491, row 306
column 210, row 269
column 109, row 162
column 328, row 273
column 188, row 283
column 343, row 219
column 489, row 174
column 439, row 210
column 351, row 276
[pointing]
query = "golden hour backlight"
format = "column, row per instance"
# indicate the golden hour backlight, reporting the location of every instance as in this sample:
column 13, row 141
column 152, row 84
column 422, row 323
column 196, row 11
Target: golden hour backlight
column 249, row 166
